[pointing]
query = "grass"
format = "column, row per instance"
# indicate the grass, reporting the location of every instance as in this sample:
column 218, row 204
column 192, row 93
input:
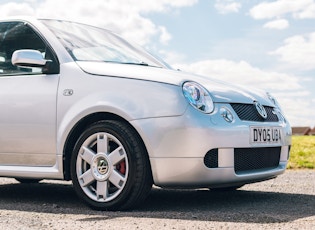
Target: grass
column 302, row 155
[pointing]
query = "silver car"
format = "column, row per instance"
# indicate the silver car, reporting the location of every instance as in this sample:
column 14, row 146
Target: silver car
column 80, row 103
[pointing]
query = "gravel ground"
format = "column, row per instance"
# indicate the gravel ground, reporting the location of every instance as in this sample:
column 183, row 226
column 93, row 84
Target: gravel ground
column 287, row 202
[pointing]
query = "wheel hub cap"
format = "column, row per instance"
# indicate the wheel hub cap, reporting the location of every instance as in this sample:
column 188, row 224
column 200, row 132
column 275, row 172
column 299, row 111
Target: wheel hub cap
column 101, row 167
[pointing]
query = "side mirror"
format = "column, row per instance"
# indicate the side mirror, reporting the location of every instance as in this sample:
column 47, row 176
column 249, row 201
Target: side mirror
column 28, row 58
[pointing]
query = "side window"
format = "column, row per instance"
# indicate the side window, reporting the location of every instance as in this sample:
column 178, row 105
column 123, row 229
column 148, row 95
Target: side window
column 16, row 36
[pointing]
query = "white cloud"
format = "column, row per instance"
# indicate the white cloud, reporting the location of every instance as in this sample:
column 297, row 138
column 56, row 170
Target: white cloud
column 126, row 17
column 227, row 6
column 298, row 51
column 268, row 10
column 165, row 36
column 156, row 6
column 243, row 73
column 171, row 57
column 13, row 8
column 298, row 109
column 279, row 24
column 308, row 12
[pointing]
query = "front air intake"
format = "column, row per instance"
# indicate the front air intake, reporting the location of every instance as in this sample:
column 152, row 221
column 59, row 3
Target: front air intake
column 247, row 159
column 211, row 159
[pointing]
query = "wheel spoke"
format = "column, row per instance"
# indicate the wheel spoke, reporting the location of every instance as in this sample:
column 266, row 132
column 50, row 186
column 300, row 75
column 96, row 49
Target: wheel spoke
column 102, row 190
column 117, row 155
column 117, row 179
column 102, row 143
column 86, row 178
column 87, row 154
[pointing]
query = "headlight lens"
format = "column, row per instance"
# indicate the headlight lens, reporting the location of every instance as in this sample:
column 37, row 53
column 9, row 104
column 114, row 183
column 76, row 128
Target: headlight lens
column 198, row 97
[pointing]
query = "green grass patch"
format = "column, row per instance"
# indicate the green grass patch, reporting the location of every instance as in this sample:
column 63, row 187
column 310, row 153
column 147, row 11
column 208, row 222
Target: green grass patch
column 302, row 155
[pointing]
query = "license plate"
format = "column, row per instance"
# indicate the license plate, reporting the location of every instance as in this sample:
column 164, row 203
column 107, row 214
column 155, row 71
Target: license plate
column 265, row 135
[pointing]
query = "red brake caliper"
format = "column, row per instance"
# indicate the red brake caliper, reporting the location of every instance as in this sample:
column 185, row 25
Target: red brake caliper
column 121, row 167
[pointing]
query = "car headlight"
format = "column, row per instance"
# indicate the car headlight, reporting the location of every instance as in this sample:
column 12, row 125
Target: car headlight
column 198, row 97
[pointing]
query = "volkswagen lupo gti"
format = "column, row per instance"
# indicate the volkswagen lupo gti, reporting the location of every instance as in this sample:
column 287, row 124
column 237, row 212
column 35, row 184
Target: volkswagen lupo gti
column 81, row 103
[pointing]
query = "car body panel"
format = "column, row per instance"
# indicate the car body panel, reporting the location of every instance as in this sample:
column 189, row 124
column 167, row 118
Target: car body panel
column 27, row 120
column 193, row 139
column 85, row 101
column 220, row 91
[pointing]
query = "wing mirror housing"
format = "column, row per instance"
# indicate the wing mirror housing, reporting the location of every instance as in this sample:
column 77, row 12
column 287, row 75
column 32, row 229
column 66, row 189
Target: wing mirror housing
column 33, row 58
column 28, row 58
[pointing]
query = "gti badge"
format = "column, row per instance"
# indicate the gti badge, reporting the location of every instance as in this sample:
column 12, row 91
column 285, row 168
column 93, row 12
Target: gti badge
column 260, row 109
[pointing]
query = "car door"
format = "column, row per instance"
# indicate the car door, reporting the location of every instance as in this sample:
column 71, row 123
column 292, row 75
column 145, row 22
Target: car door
column 27, row 101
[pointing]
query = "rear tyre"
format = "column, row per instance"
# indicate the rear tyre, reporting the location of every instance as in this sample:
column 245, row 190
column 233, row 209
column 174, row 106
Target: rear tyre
column 110, row 168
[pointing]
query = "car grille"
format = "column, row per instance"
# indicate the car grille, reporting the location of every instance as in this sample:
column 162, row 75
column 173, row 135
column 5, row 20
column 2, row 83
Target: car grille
column 248, row 112
column 246, row 159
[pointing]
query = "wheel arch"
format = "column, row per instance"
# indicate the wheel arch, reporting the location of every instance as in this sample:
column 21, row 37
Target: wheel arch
column 77, row 130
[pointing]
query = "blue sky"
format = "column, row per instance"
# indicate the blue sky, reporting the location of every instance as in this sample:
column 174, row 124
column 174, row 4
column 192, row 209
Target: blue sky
column 263, row 44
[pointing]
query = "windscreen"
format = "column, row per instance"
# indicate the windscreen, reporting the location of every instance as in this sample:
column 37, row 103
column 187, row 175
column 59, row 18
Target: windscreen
column 88, row 43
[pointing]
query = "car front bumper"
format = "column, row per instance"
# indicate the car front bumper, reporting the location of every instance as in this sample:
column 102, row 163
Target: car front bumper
column 191, row 172
column 177, row 148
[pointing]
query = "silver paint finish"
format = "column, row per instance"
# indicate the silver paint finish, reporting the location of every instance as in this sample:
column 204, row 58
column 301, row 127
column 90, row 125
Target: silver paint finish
column 28, row 120
column 41, row 110
column 22, row 57
column 220, row 91
column 102, row 181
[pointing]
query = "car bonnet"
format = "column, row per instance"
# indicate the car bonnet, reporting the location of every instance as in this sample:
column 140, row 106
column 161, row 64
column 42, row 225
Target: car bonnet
column 221, row 92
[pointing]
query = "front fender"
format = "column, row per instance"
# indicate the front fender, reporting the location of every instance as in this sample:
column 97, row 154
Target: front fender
column 131, row 99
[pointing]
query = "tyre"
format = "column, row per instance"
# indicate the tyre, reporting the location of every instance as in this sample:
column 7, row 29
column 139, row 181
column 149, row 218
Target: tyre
column 110, row 167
